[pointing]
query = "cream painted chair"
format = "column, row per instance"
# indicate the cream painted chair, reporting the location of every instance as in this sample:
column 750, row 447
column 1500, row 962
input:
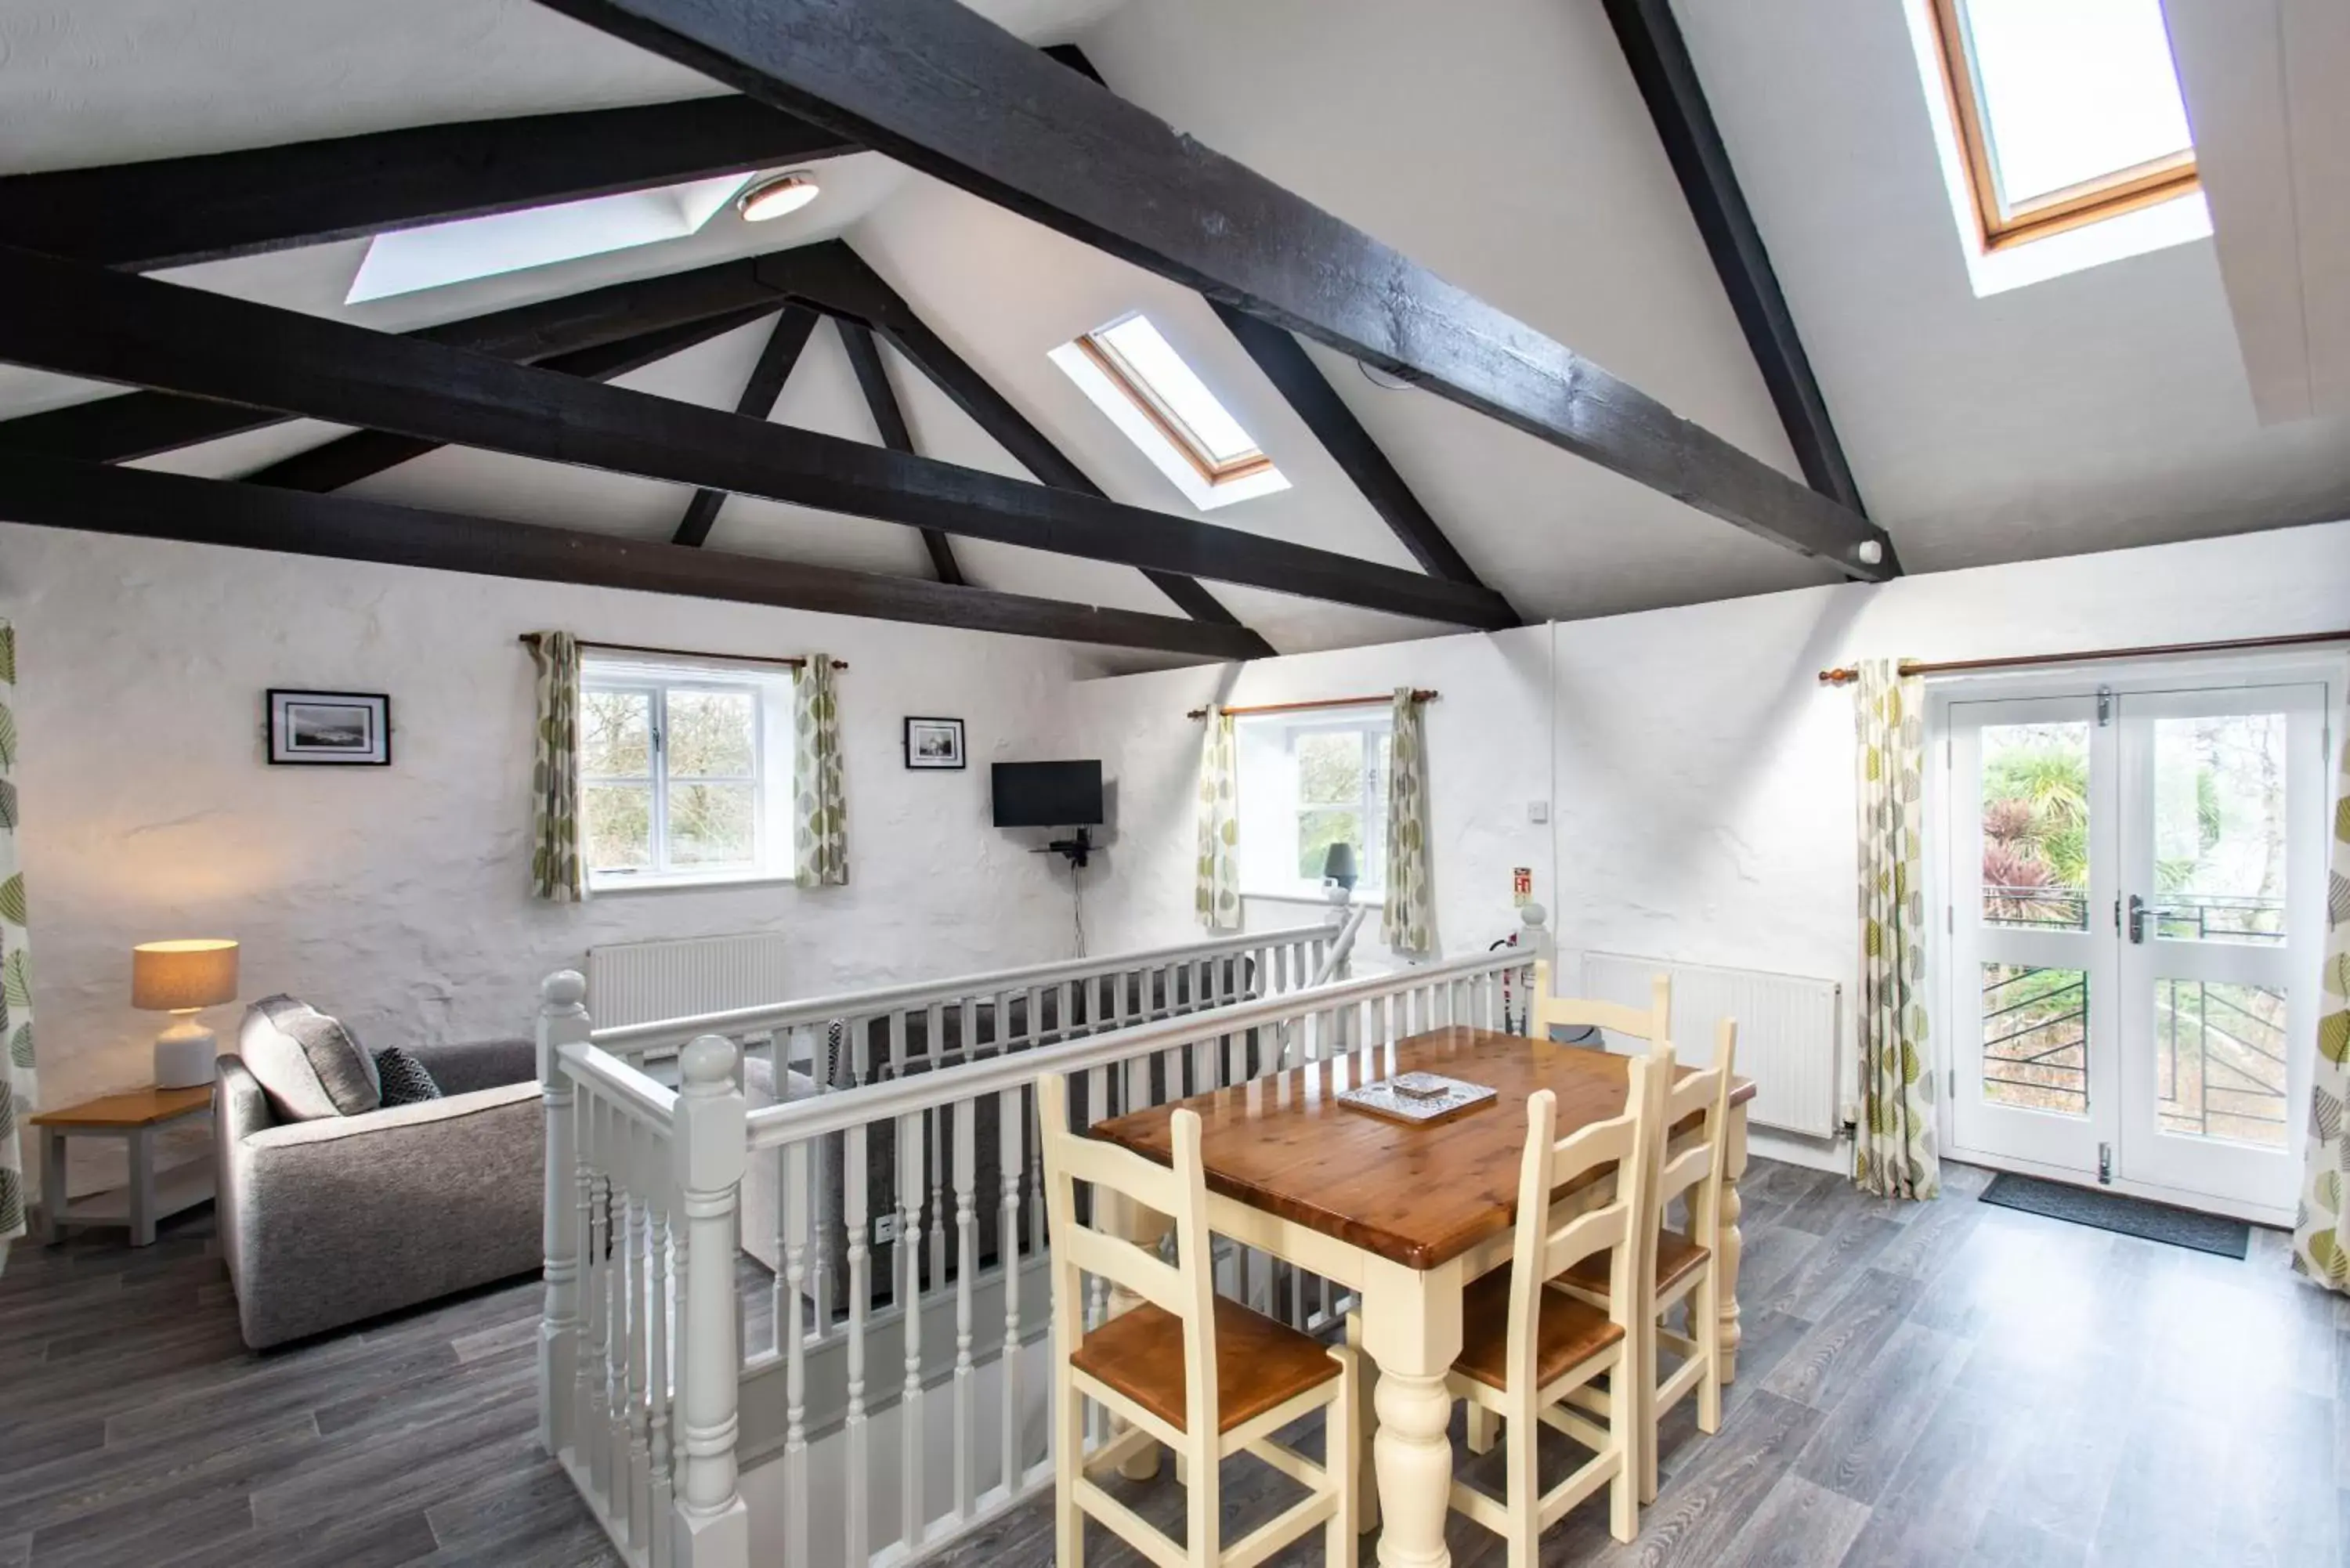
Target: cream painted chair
column 1684, row 1266
column 1186, row 1367
column 1653, row 1026
column 1528, row 1348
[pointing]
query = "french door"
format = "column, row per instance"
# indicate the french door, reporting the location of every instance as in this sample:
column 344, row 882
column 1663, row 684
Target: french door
column 2134, row 887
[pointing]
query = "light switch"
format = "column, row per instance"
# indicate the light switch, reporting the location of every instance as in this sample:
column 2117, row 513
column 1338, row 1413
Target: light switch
column 1537, row 811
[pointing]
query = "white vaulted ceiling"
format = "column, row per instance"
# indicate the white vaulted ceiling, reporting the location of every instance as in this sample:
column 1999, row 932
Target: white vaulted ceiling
column 1503, row 144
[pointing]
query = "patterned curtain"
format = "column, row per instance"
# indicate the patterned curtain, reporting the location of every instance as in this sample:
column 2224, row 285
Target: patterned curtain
column 1216, row 892
column 1408, row 923
column 16, row 971
column 559, row 869
column 2321, row 1233
column 820, row 812
column 1893, row 1154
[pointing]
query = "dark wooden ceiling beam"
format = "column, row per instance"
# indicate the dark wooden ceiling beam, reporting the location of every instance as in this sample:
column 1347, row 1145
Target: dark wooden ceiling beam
column 59, row 493
column 1659, row 58
column 890, row 420
column 769, row 374
column 934, row 85
column 144, row 424
column 80, row 320
column 835, row 278
column 363, row 455
column 173, row 211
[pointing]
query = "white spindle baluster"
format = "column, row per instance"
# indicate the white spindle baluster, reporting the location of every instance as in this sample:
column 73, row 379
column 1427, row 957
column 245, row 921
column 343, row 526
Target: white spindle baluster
column 794, row 1201
column 562, row 1021
column 709, row 1146
column 937, row 1217
column 968, row 1014
column 894, row 1062
column 934, row 1038
column 589, row 1360
column 1064, row 1019
column 1011, row 1113
column 966, row 1411
column 854, row 1220
column 616, row 1322
column 1036, row 1034
column 633, row 1142
column 1035, row 1184
column 659, row 1488
column 860, row 1051
column 910, row 1429
column 597, row 1456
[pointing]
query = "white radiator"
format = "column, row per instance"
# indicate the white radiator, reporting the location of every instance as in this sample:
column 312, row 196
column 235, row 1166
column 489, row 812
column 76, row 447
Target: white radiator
column 641, row 982
column 1787, row 1030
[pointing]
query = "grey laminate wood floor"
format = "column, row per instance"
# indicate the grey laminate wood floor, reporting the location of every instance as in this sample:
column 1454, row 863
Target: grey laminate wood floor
column 1948, row 1384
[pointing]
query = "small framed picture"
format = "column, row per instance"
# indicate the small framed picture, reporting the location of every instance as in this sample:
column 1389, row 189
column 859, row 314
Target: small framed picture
column 934, row 743
column 343, row 729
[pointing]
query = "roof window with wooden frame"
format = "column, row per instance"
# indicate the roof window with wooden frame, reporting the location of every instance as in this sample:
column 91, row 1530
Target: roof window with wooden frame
column 2056, row 116
column 1134, row 375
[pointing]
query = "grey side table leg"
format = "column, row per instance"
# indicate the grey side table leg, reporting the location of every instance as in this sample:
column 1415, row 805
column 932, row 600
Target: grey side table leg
column 53, row 1185
column 142, row 1187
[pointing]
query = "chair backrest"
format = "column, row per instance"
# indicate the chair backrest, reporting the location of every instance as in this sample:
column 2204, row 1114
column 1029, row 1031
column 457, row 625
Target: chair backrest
column 1696, row 1169
column 1122, row 1180
column 1554, row 1233
column 1652, row 1025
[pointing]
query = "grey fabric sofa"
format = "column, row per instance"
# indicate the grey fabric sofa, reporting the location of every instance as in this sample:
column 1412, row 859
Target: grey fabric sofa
column 329, row 1221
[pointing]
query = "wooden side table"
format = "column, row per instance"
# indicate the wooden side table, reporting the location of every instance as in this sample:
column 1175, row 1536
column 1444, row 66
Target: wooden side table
column 135, row 1118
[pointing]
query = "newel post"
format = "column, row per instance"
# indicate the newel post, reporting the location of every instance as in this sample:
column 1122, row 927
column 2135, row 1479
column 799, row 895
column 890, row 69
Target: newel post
column 562, row 1021
column 711, row 1525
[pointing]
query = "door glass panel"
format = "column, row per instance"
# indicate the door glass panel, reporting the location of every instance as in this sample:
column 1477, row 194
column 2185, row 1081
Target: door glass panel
column 2035, row 1038
column 2035, row 827
column 2219, row 1060
column 2219, row 827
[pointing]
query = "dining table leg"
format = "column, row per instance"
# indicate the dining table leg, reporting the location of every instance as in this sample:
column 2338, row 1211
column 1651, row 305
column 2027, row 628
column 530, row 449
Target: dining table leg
column 1412, row 1328
column 1728, row 1240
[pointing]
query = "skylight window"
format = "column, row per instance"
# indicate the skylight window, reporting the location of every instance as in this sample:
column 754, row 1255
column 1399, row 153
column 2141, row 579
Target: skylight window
column 438, row 255
column 1135, row 376
column 2067, row 112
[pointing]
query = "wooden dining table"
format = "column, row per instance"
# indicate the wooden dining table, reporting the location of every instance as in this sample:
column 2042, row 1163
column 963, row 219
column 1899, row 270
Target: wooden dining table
column 1404, row 1215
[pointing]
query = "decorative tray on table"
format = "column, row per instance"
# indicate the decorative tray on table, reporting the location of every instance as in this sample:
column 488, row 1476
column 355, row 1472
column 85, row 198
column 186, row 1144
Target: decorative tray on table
column 1419, row 1098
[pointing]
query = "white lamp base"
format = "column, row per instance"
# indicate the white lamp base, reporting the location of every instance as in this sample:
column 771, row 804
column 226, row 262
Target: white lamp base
column 183, row 1054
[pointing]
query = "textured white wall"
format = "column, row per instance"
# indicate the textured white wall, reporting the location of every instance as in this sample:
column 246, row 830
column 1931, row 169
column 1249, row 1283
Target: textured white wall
column 396, row 898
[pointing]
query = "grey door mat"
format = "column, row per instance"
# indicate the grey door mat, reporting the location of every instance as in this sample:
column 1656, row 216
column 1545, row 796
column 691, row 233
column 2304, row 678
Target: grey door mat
column 2129, row 1216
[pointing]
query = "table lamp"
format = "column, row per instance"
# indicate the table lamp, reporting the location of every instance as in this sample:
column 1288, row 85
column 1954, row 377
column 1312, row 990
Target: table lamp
column 183, row 978
column 1338, row 873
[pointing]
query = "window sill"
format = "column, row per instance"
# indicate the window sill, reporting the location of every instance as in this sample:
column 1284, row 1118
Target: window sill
column 626, row 885
column 1371, row 899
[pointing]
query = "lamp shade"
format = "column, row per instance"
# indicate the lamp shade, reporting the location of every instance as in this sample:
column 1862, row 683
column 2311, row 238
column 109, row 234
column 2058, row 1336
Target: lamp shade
column 169, row 977
column 1338, row 863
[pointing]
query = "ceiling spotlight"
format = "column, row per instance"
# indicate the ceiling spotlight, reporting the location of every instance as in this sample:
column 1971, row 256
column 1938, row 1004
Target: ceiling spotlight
column 773, row 198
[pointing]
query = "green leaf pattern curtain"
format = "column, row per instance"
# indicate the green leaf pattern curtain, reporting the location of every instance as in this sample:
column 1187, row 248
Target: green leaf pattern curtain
column 1408, row 922
column 16, row 971
column 820, row 809
column 1894, row 1153
column 2321, row 1238
column 1216, row 891
column 559, row 863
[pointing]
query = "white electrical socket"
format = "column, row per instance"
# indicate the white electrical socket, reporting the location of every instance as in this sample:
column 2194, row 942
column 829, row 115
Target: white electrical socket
column 1537, row 811
column 884, row 1230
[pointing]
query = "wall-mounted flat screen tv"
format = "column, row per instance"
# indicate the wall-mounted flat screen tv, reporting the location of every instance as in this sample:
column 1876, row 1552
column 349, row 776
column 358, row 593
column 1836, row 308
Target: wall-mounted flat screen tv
column 1047, row 795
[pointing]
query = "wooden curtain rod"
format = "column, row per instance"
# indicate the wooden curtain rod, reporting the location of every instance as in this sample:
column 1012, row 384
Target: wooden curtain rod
column 1304, row 707
column 531, row 639
column 1844, row 675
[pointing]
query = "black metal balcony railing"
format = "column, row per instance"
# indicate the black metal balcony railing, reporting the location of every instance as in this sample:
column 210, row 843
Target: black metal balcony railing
column 2177, row 916
column 2035, row 1050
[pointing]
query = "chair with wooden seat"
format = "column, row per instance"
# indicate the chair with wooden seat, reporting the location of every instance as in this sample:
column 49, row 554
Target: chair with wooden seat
column 1684, row 1267
column 1528, row 1348
column 1186, row 1367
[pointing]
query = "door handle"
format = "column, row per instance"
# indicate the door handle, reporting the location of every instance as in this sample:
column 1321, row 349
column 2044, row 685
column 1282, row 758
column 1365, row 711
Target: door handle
column 2136, row 918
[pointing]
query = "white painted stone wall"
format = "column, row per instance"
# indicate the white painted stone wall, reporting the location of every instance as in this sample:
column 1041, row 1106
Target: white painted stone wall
column 1700, row 776
column 397, row 898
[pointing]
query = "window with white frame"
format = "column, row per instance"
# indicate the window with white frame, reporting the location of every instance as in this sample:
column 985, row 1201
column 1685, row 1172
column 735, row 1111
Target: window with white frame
column 1308, row 781
column 685, row 772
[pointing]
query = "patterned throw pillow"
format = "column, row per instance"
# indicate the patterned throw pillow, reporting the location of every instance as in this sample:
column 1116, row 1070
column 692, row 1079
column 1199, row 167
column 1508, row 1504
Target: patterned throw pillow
column 405, row 1080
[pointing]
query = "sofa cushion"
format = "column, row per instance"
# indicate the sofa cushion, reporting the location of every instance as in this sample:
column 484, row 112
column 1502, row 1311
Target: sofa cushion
column 403, row 1078
column 306, row 1063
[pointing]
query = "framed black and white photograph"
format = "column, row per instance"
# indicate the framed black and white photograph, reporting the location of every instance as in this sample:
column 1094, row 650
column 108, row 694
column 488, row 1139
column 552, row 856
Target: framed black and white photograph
column 934, row 743
column 332, row 728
